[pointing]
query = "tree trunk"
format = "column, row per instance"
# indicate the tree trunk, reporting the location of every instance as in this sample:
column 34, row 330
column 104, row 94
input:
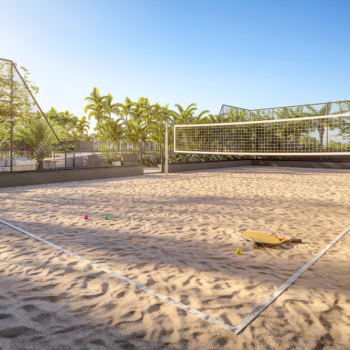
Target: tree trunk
column 321, row 131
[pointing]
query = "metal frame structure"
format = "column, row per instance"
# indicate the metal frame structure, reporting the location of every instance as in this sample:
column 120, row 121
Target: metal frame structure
column 13, row 66
column 17, row 96
column 273, row 109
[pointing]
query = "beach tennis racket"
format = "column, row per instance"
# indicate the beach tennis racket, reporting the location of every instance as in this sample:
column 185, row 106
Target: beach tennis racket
column 265, row 239
column 248, row 236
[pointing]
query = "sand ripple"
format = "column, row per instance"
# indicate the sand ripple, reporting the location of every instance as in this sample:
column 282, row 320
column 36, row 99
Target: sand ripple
column 177, row 235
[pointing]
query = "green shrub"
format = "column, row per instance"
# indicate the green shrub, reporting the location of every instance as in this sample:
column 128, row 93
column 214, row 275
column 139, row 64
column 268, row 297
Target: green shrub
column 152, row 162
column 68, row 148
column 114, row 159
column 186, row 158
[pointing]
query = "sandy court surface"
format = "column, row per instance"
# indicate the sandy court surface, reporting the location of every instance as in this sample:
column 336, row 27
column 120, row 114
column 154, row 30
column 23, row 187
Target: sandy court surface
column 177, row 235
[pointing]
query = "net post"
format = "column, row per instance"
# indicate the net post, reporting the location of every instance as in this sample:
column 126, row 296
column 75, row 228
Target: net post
column 11, row 136
column 11, row 145
column 166, row 148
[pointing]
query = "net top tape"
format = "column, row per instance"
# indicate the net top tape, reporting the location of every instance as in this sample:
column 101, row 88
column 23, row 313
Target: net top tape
column 265, row 121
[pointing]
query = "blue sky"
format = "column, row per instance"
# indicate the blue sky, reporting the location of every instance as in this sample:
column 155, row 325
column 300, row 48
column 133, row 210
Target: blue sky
column 250, row 54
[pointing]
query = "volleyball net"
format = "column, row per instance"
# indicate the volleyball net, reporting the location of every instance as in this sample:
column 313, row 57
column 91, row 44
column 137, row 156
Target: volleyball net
column 326, row 134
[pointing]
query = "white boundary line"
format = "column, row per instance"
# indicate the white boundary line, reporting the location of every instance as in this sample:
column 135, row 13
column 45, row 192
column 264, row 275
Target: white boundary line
column 127, row 280
column 235, row 330
column 267, row 154
column 256, row 312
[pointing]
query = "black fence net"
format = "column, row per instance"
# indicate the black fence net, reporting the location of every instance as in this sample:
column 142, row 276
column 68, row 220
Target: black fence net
column 26, row 137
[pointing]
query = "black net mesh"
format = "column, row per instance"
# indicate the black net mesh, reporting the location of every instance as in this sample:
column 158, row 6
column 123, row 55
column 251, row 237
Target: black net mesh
column 284, row 138
column 293, row 136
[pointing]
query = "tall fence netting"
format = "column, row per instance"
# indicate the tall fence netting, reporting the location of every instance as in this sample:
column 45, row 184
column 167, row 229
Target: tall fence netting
column 26, row 138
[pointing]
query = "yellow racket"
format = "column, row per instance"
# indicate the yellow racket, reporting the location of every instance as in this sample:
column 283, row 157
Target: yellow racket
column 265, row 239
column 248, row 236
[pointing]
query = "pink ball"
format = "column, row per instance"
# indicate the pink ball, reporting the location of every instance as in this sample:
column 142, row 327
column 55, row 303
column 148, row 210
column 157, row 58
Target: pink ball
column 86, row 217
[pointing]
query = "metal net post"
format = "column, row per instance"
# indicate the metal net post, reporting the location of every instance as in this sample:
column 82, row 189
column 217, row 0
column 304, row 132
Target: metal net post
column 166, row 149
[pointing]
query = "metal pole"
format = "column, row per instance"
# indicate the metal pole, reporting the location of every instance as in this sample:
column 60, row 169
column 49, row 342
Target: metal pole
column 11, row 150
column 221, row 111
column 42, row 113
column 327, row 132
column 166, row 148
column 11, row 154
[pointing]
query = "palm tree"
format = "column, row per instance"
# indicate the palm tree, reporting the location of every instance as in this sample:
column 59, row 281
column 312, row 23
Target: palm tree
column 69, row 120
column 40, row 138
column 212, row 118
column 290, row 112
column 260, row 114
column 103, row 132
column 82, row 126
column 320, row 124
column 95, row 106
column 166, row 114
column 147, row 108
column 117, row 131
column 126, row 108
column 53, row 116
column 344, row 125
column 200, row 117
column 139, row 110
column 344, row 107
column 234, row 115
column 184, row 116
column 109, row 107
column 66, row 120
column 157, row 133
column 137, row 132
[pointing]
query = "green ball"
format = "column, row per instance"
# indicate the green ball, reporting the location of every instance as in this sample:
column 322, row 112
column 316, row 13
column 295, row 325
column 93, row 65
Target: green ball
column 239, row 251
column 106, row 217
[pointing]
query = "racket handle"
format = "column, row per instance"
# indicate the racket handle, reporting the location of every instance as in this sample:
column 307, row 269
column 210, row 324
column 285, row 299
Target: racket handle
column 255, row 246
column 294, row 240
